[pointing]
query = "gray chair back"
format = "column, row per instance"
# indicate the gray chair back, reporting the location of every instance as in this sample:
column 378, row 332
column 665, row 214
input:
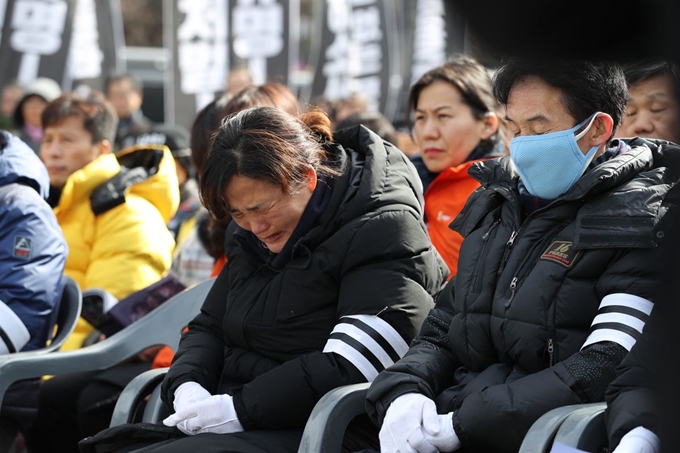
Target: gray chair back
column 161, row 326
column 70, row 307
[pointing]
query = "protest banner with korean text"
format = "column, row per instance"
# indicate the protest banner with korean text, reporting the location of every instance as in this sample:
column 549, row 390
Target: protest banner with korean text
column 97, row 44
column 208, row 38
column 35, row 39
column 357, row 48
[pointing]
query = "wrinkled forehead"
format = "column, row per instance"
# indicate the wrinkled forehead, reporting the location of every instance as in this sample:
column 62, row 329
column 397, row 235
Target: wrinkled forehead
column 660, row 86
column 531, row 99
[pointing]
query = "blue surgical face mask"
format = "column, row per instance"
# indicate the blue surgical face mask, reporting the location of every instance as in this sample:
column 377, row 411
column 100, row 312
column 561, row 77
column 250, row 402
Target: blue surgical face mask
column 550, row 164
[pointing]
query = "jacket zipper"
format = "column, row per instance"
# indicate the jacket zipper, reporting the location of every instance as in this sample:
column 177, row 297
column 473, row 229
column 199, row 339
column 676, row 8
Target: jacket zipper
column 508, row 248
column 477, row 282
column 551, row 351
column 516, row 233
column 513, row 288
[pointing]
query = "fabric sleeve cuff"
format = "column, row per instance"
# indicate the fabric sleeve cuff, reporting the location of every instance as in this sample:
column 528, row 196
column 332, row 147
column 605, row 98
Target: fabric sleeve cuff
column 239, row 406
column 13, row 333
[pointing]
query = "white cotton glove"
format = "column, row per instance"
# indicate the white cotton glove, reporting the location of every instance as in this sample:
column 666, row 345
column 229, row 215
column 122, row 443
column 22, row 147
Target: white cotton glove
column 188, row 394
column 405, row 421
column 445, row 438
column 639, row 440
column 211, row 415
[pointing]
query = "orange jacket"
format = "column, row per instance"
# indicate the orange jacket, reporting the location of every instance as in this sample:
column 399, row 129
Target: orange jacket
column 219, row 264
column 444, row 199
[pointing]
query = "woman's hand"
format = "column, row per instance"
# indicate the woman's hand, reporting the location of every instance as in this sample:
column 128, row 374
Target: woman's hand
column 212, row 415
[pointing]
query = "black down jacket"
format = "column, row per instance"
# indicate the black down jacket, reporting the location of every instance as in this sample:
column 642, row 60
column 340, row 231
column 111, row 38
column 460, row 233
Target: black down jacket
column 510, row 337
column 353, row 295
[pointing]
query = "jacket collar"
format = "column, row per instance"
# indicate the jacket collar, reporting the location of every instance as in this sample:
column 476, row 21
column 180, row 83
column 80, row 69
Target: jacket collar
column 501, row 173
column 83, row 182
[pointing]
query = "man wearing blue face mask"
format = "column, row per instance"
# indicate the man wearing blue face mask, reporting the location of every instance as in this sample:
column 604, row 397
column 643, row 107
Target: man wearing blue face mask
column 557, row 274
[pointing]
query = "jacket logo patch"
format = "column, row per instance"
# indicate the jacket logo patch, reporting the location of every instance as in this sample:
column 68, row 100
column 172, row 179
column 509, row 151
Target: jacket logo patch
column 441, row 217
column 561, row 252
column 22, row 247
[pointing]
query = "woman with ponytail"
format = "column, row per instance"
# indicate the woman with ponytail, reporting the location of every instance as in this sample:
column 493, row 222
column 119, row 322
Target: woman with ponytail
column 329, row 277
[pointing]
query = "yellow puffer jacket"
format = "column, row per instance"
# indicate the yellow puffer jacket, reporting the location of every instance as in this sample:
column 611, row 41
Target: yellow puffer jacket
column 127, row 246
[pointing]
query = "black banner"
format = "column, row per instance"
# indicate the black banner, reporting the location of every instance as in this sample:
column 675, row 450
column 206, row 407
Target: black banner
column 432, row 30
column 208, row 38
column 36, row 38
column 264, row 38
column 96, row 43
column 358, row 49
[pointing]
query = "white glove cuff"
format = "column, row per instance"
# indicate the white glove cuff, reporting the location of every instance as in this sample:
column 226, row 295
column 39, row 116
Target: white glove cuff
column 642, row 434
column 409, row 402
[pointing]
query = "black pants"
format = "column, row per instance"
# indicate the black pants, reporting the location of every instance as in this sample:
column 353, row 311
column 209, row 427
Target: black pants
column 19, row 409
column 77, row 405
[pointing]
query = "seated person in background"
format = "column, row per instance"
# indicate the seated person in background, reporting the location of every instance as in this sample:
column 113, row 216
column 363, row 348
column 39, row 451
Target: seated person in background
column 10, row 95
column 405, row 137
column 176, row 138
column 113, row 208
column 375, row 121
column 32, row 258
column 27, row 115
column 344, row 107
column 237, row 79
column 125, row 92
column 558, row 269
column 638, row 396
column 196, row 257
column 634, row 400
column 653, row 109
column 314, row 294
column 456, row 125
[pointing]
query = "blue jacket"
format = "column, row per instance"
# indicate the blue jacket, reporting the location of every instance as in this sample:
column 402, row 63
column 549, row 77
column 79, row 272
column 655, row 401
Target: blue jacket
column 32, row 250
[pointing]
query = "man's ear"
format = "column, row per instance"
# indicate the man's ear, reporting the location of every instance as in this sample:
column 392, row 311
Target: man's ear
column 103, row 147
column 601, row 130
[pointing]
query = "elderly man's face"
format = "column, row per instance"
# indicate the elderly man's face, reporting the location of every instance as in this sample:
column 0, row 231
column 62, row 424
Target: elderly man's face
column 653, row 110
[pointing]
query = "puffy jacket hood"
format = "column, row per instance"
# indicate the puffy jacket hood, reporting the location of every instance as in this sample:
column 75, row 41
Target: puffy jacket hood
column 147, row 171
column 379, row 176
column 18, row 163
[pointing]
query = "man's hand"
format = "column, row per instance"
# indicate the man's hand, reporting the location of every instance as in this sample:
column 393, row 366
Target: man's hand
column 445, row 438
column 406, row 420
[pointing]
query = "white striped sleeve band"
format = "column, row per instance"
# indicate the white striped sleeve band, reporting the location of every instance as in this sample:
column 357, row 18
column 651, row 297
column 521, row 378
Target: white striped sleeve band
column 13, row 333
column 620, row 319
column 368, row 342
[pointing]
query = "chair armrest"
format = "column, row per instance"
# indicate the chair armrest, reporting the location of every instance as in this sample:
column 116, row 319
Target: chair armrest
column 539, row 438
column 156, row 410
column 328, row 421
column 584, row 428
column 134, row 393
column 162, row 326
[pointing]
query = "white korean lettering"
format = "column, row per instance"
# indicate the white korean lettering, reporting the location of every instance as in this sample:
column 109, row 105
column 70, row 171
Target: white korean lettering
column 85, row 56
